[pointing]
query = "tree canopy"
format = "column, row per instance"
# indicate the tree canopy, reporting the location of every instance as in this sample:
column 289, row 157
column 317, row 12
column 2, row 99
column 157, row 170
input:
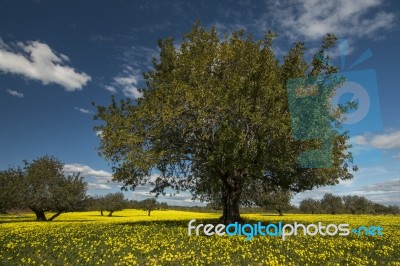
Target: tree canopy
column 42, row 186
column 214, row 119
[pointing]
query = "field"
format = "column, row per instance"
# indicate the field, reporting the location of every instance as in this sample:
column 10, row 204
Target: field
column 131, row 237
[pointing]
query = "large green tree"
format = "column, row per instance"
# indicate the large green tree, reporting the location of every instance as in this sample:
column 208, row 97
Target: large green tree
column 42, row 187
column 214, row 119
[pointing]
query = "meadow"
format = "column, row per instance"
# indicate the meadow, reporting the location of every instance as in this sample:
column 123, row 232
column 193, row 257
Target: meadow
column 131, row 237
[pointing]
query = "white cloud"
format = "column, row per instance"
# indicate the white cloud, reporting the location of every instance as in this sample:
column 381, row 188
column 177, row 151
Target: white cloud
column 397, row 156
column 82, row 110
column 37, row 61
column 386, row 192
column 313, row 19
column 110, row 88
column 389, row 140
column 98, row 186
column 15, row 93
column 99, row 133
column 87, row 171
column 128, row 82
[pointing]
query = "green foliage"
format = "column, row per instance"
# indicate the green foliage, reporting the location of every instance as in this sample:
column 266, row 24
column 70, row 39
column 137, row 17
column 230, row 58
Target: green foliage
column 10, row 189
column 310, row 205
column 357, row 204
column 42, row 187
column 111, row 202
column 214, row 120
column 149, row 205
column 278, row 200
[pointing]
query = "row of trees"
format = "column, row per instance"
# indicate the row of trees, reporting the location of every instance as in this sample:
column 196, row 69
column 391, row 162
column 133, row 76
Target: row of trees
column 353, row 204
column 116, row 202
column 279, row 201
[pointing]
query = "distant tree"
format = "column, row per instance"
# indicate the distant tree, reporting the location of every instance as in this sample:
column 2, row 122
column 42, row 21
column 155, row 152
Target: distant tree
column 310, row 205
column 133, row 204
column 394, row 209
column 332, row 204
column 382, row 209
column 112, row 202
column 379, row 209
column 213, row 205
column 278, row 200
column 43, row 187
column 149, row 205
column 163, row 206
column 356, row 204
column 10, row 189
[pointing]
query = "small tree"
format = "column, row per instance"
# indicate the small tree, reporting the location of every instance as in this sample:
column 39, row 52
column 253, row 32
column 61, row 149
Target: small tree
column 356, row 204
column 332, row 204
column 310, row 205
column 149, row 205
column 42, row 187
column 278, row 200
column 112, row 202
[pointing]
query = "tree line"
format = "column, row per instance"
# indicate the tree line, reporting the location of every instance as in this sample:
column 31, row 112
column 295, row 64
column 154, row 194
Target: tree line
column 353, row 204
column 42, row 187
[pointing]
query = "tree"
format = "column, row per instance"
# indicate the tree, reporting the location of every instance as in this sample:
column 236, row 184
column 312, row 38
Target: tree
column 356, row 204
column 332, row 204
column 278, row 200
column 214, row 118
column 42, row 187
column 310, row 205
column 149, row 205
column 111, row 202
column 10, row 189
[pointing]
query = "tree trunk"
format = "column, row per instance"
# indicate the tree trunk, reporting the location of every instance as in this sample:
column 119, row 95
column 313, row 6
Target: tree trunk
column 55, row 216
column 280, row 212
column 231, row 200
column 40, row 216
column 148, row 212
column 101, row 212
column 110, row 214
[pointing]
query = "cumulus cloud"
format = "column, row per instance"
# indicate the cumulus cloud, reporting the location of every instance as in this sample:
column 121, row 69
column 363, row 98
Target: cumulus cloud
column 15, row 93
column 390, row 140
column 313, row 19
column 87, row 171
column 37, row 61
column 98, row 186
column 386, row 192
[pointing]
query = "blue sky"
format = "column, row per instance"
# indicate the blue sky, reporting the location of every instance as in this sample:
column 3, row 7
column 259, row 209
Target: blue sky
column 56, row 57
